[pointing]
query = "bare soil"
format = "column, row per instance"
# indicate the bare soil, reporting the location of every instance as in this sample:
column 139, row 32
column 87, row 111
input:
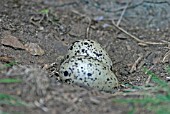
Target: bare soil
column 66, row 22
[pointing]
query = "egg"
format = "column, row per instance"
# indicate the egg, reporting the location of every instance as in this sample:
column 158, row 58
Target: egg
column 89, row 72
column 89, row 48
column 88, row 64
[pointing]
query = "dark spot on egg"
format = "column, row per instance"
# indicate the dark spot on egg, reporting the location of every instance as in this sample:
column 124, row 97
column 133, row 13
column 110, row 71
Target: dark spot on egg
column 78, row 71
column 85, row 43
column 89, row 74
column 79, row 58
column 67, row 56
column 71, row 48
column 77, row 41
column 76, row 64
column 85, row 79
column 99, row 54
column 91, row 79
column 83, row 50
column 104, row 68
column 99, row 73
column 115, row 79
column 91, row 42
column 71, row 69
column 68, row 81
column 78, row 51
column 72, row 61
column 65, row 73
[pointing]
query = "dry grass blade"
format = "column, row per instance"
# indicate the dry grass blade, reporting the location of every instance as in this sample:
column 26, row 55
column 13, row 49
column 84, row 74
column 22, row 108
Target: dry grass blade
column 137, row 39
column 123, row 12
column 165, row 56
column 134, row 66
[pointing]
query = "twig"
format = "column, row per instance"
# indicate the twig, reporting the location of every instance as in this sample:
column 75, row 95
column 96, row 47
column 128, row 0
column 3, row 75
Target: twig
column 137, row 39
column 148, row 80
column 165, row 56
column 149, row 77
column 167, row 53
column 136, row 63
column 123, row 12
column 88, row 28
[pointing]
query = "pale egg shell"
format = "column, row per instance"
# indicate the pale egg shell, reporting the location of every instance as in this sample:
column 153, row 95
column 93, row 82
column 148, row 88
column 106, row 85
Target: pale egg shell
column 89, row 48
column 84, row 70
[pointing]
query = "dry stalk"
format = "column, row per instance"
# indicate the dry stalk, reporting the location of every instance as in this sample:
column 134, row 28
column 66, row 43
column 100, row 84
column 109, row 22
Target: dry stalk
column 134, row 66
column 137, row 39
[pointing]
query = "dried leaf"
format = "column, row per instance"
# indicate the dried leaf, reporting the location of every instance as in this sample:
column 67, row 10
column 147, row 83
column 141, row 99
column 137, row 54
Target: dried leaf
column 34, row 49
column 12, row 41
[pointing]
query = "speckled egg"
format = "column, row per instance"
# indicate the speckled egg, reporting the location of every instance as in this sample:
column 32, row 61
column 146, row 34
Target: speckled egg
column 87, row 71
column 89, row 48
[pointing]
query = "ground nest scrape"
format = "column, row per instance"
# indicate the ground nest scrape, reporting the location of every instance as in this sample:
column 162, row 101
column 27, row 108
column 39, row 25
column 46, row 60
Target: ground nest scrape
column 134, row 33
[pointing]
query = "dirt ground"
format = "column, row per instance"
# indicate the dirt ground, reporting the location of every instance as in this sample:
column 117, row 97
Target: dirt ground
column 55, row 24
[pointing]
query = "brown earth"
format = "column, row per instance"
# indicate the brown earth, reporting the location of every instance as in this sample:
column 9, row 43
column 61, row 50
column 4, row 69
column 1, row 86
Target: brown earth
column 55, row 30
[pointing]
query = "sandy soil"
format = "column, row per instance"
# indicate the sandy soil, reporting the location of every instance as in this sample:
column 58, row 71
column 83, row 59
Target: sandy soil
column 65, row 22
